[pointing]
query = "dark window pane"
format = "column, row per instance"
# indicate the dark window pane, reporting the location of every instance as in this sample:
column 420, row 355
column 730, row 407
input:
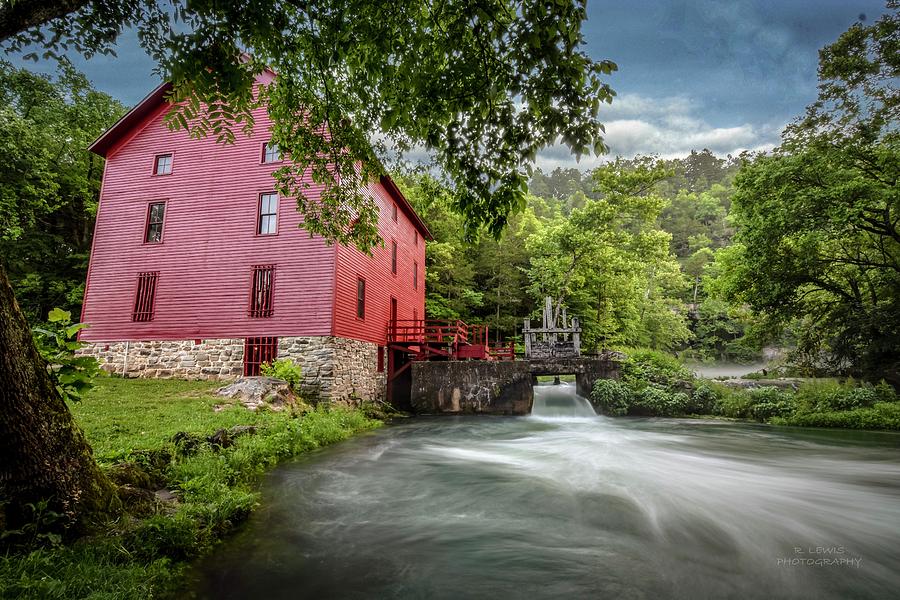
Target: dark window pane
column 145, row 297
column 271, row 153
column 361, row 298
column 155, row 223
column 258, row 351
column 268, row 213
column 261, row 297
column 163, row 164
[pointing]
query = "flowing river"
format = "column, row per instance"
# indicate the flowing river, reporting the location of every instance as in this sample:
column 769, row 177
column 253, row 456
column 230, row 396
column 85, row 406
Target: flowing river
column 565, row 504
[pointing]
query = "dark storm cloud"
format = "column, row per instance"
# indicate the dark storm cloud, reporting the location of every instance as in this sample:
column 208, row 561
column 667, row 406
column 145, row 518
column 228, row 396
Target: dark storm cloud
column 720, row 74
column 738, row 60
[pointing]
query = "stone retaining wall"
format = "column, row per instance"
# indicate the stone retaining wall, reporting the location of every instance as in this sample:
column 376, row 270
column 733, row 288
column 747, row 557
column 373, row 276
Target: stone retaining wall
column 472, row 387
column 498, row 387
column 334, row 368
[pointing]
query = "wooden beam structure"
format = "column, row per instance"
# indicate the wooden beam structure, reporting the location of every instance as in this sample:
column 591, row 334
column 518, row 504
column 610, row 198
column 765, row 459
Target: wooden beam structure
column 558, row 337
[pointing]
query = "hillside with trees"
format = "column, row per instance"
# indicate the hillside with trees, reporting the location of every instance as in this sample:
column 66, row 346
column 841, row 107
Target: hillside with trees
column 630, row 247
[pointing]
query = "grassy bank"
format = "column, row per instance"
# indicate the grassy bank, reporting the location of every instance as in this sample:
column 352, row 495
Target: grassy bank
column 150, row 435
column 655, row 384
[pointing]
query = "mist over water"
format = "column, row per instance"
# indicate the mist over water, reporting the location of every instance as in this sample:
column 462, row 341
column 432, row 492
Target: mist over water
column 568, row 504
column 716, row 370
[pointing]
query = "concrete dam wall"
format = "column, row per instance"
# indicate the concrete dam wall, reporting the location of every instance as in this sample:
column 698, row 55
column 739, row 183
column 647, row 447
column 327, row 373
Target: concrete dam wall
column 497, row 387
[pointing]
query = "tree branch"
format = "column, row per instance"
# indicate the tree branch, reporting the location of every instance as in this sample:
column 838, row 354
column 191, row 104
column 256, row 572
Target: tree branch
column 17, row 16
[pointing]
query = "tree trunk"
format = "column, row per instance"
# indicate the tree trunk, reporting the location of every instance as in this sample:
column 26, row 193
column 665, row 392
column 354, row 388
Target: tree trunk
column 43, row 453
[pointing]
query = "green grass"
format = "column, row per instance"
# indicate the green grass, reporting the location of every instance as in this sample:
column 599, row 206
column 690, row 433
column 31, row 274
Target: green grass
column 145, row 558
column 883, row 415
column 121, row 416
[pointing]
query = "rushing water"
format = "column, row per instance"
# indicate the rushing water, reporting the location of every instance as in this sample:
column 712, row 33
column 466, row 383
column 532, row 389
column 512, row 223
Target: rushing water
column 564, row 504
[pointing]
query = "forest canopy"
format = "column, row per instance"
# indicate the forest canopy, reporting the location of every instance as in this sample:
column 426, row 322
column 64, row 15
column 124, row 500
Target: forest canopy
column 481, row 87
column 625, row 246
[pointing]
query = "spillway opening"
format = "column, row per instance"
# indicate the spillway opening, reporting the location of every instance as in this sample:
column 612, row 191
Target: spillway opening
column 559, row 400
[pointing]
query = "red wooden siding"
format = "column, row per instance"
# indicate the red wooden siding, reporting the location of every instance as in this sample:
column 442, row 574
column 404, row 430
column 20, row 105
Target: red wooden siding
column 381, row 283
column 211, row 242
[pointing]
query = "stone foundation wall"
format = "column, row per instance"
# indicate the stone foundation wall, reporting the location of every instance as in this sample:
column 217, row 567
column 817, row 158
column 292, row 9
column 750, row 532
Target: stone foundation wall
column 334, row 368
column 184, row 359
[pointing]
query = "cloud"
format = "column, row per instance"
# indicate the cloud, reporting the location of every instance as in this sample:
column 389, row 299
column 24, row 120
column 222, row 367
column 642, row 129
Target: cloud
column 667, row 127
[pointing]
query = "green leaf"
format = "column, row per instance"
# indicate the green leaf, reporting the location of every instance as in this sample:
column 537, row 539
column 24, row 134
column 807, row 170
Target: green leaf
column 58, row 315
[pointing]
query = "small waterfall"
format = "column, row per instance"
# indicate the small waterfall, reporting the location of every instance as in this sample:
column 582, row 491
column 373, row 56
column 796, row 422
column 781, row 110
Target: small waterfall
column 560, row 401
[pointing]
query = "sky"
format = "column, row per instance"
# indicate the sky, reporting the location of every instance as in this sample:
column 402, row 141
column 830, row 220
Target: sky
column 726, row 75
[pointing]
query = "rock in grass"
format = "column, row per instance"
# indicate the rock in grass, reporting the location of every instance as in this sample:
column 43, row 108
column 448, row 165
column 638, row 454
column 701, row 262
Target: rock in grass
column 129, row 474
column 138, row 501
column 186, row 443
column 220, row 439
column 239, row 430
column 165, row 495
column 224, row 438
column 256, row 392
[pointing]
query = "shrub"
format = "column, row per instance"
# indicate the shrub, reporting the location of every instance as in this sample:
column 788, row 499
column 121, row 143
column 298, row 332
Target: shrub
column 643, row 367
column 858, row 397
column 656, row 402
column 734, row 404
column 763, row 395
column 883, row 415
column 679, row 403
column 173, row 537
column 885, row 392
column 768, row 402
column 702, row 401
column 284, row 369
column 611, row 397
column 831, row 396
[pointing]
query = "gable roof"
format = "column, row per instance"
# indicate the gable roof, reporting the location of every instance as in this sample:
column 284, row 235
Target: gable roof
column 155, row 99
column 404, row 204
column 108, row 139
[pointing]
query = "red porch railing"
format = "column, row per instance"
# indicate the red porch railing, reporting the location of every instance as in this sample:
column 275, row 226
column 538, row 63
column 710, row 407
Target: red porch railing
column 449, row 338
column 421, row 331
column 503, row 350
